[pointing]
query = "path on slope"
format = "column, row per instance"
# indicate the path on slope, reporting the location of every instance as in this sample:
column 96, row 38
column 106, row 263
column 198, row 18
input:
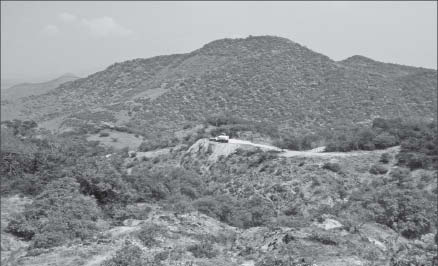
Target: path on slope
column 317, row 152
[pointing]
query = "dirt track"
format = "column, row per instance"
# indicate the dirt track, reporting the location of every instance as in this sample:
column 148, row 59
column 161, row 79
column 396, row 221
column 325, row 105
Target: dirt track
column 309, row 153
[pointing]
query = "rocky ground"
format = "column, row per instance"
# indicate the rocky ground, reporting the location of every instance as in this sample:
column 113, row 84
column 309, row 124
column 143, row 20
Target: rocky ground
column 167, row 237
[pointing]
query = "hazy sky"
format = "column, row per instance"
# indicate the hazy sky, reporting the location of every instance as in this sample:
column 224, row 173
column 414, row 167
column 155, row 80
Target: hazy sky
column 46, row 39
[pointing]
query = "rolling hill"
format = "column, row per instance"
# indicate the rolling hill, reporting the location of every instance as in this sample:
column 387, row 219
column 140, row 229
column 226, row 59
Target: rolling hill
column 28, row 89
column 264, row 78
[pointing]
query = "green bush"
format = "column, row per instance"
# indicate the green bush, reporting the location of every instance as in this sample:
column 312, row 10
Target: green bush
column 404, row 212
column 398, row 204
column 104, row 180
column 243, row 213
column 400, row 175
column 223, row 119
column 385, row 158
column 332, row 166
column 58, row 214
column 19, row 127
column 35, row 162
column 413, row 160
column 378, row 169
column 149, row 233
column 157, row 143
column 162, row 183
column 208, row 206
column 417, row 140
column 279, row 260
column 325, row 238
column 21, row 228
column 103, row 134
column 48, row 239
column 365, row 139
column 342, row 141
column 122, row 212
column 232, row 125
column 385, row 140
column 289, row 142
column 128, row 255
column 203, row 250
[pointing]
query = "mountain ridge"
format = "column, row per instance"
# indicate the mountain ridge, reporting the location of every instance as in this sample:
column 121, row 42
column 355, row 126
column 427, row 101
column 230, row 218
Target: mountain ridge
column 262, row 78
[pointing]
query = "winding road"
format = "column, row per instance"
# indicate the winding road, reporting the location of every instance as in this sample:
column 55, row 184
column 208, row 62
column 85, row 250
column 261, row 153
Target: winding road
column 316, row 152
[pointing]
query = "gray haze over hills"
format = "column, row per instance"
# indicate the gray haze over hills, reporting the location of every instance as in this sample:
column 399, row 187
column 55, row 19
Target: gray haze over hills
column 27, row 89
column 42, row 40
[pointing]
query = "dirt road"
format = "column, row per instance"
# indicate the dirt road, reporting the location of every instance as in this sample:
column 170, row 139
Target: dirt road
column 316, row 152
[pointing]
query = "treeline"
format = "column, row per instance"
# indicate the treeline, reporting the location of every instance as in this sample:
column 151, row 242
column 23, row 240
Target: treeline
column 231, row 125
column 417, row 139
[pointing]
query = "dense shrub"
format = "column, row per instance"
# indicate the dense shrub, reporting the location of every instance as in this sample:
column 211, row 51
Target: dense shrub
column 365, row 139
column 208, row 206
column 34, row 162
column 128, row 255
column 325, row 238
column 399, row 205
column 223, row 119
column 243, row 213
column 157, row 143
column 21, row 228
column 162, row 183
column 232, row 125
column 386, row 124
column 121, row 212
column 403, row 211
column 19, row 127
column 278, row 260
column 149, row 233
column 259, row 157
column 204, row 249
column 104, row 180
column 332, row 166
column 378, row 169
column 385, row 140
column 417, row 139
column 419, row 147
column 385, row 158
column 58, row 214
column 48, row 239
column 289, row 142
column 297, row 141
column 343, row 142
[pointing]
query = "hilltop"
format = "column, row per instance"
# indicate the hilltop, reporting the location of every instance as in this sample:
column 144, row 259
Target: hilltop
column 263, row 79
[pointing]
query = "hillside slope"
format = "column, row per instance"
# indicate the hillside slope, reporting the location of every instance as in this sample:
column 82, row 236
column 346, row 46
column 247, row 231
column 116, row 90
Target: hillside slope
column 262, row 78
column 28, row 89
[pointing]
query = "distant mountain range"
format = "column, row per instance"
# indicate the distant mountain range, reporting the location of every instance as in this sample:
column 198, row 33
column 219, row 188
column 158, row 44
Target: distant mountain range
column 262, row 78
column 28, row 89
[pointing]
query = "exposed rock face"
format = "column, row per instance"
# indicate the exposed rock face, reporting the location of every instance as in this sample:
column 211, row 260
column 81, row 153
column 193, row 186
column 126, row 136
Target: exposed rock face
column 213, row 150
